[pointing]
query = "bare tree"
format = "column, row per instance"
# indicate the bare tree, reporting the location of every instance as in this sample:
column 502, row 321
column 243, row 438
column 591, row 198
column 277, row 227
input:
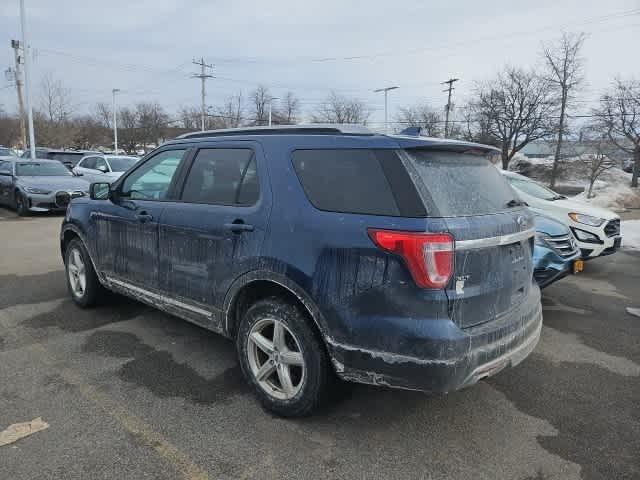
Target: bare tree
column 565, row 72
column 619, row 117
column 599, row 161
column 231, row 114
column 56, row 99
column 289, row 109
column 260, row 99
column 514, row 110
column 152, row 121
column 190, row 117
column 423, row 116
column 9, row 129
column 103, row 114
column 339, row 109
column 128, row 132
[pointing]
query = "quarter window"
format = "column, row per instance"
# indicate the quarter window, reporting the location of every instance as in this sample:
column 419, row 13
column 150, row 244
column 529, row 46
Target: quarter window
column 152, row 180
column 222, row 176
column 350, row 181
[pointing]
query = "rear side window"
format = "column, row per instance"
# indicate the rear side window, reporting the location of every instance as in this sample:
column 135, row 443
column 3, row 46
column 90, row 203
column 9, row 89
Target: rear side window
column 350, row 181
column 223, row 176
column 459, row 184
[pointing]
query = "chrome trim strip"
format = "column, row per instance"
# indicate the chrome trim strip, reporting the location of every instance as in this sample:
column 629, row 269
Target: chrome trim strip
column 161, row 298
column 495, row 241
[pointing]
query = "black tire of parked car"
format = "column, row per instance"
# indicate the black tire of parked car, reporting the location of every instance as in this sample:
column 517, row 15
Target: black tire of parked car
column 319, row 373
column 22, row 204
column 94, row 290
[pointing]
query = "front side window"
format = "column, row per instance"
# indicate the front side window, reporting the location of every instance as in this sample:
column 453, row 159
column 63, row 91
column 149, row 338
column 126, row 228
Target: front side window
column 152, row 180
column 101, row 165
column 223, row 176
column 89, row 162
column 5, row 167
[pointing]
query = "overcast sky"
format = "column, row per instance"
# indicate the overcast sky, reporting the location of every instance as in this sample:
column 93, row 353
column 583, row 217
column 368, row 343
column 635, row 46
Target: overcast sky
column 145, row 47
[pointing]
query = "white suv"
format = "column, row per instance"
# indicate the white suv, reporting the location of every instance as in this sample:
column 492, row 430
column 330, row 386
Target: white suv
column 597, row 230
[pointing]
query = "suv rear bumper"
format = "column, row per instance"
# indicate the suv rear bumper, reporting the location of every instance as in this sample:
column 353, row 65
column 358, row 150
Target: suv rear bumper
column 468, row 355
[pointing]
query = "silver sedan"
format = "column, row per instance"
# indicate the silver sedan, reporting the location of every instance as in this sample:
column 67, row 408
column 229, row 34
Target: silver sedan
column 38, row 185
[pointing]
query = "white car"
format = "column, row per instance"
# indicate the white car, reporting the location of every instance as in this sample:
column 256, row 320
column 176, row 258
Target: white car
column 597, row 230
column 103, row 168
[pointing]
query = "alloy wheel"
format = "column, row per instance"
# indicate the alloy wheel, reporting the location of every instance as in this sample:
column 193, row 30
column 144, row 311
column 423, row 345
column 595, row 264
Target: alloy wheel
column 276, row 359
column 76, row 272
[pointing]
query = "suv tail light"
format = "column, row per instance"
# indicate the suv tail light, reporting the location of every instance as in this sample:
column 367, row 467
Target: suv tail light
column 429, row 256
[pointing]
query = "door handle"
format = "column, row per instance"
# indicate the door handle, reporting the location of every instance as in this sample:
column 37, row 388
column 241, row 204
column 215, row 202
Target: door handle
column 144, row 217
column 239, row 227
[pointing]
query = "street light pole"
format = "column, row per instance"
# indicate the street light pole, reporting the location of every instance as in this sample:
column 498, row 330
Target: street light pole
column 386, row 118
column 115, row 122
column 27, row 80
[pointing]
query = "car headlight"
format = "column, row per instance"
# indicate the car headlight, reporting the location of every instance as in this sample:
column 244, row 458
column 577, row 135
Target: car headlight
column 37, row 191
column 585, row 236
column 586, row 219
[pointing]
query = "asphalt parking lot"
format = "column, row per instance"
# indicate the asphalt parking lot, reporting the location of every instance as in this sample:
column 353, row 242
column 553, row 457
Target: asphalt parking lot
column 132, row 393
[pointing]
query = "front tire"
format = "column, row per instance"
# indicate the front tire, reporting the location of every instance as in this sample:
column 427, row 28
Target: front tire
column 82, row 281
column 22, row 204
column 282, row 358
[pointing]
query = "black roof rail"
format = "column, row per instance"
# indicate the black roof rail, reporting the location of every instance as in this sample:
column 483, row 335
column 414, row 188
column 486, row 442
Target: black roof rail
column 309, row 129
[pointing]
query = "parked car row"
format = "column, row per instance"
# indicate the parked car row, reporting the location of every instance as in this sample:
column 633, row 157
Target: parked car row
column 43, row 185
column 596, row 230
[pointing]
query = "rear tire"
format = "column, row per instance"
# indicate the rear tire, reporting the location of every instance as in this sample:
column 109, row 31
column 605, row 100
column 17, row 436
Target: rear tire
column 82, row 281
column 289, row 371
column 22, row 205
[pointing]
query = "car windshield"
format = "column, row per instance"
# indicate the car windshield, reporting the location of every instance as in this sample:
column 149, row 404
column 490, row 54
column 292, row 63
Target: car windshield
column 121, row 164
column 532, row 188
column 41, row 169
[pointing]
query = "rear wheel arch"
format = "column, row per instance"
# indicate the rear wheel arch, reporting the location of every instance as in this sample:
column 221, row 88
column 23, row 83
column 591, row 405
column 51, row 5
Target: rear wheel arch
column 255, row 286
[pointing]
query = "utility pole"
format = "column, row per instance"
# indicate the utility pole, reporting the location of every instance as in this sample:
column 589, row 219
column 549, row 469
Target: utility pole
column 115, row 122
column 203, row 76
column 271, row 99
column 386, row 119
column 15, row 44
column 449, row 89
column 27, row 79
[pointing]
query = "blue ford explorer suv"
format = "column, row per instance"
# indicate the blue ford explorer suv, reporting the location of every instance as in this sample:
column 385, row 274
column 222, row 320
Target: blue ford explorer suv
column 322, row 251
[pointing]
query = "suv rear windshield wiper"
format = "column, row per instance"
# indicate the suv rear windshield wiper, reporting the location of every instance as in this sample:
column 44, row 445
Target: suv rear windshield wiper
column 557, row 197
column 516, row 203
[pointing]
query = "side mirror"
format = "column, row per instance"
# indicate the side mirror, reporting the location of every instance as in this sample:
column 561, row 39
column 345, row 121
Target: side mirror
column 102, row 168
column 77, row 174
column 100, row 191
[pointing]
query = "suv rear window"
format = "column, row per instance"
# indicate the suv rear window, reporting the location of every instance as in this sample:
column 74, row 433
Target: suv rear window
column 364, row 181
column 459, row 184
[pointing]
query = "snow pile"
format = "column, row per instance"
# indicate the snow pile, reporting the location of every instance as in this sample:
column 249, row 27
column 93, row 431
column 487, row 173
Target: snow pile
column 612, row 189
column 630, row 230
